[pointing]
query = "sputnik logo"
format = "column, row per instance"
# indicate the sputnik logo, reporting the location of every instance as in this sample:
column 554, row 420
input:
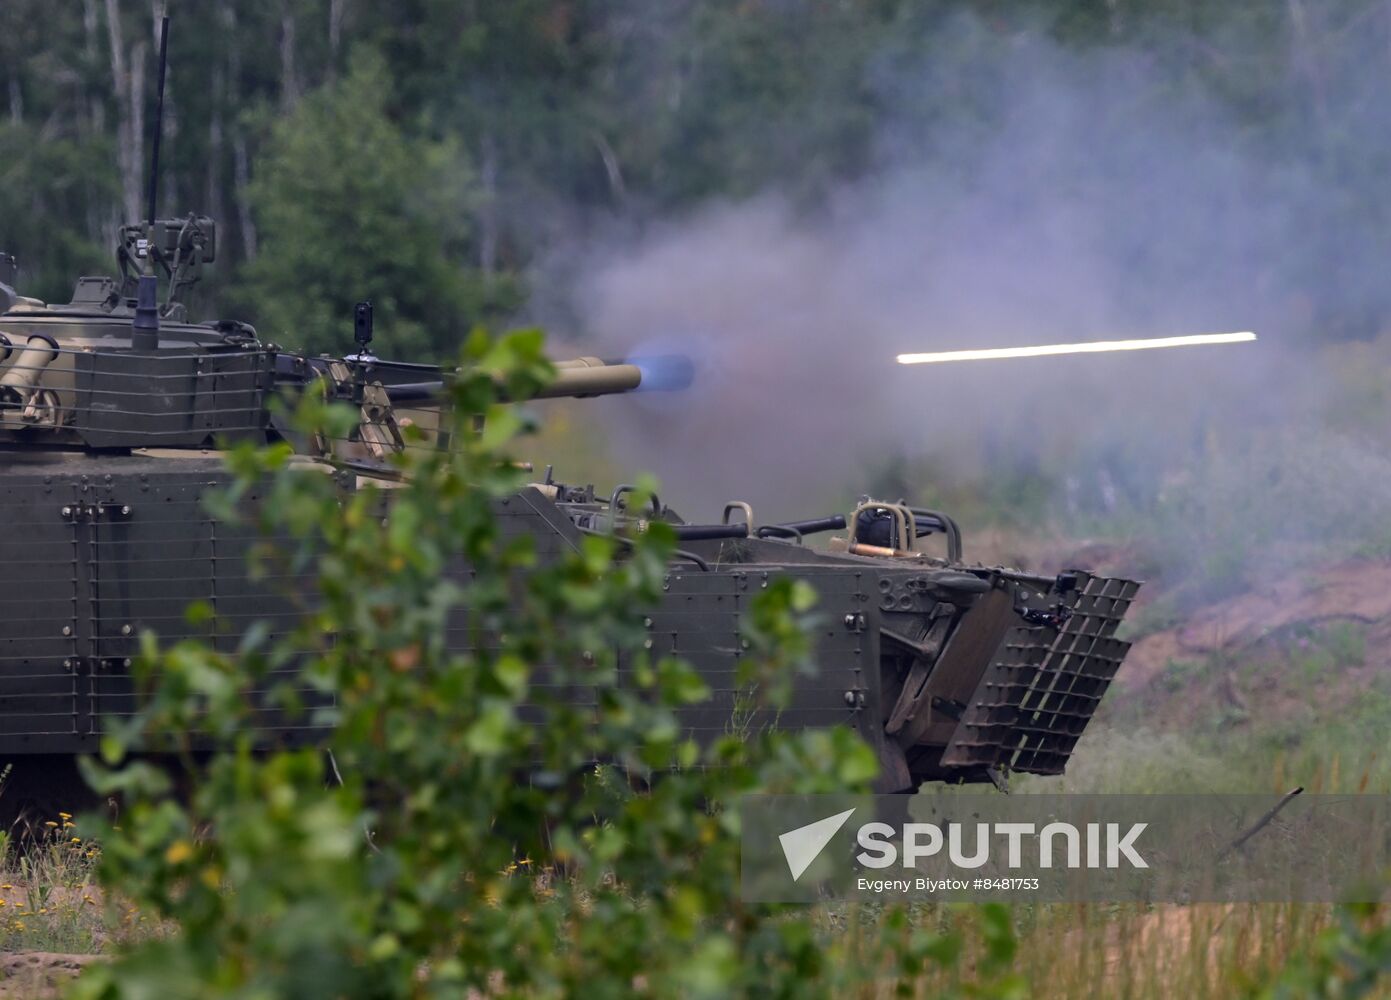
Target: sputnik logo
column 804, row 845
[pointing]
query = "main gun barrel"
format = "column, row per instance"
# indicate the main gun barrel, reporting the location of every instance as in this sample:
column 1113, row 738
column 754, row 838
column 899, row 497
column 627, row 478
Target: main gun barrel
column 577, row 377
column 591, row 377
column 594, row 377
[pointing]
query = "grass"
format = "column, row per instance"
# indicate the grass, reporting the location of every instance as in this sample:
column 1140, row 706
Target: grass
column 1198, row 951
column 1065, row 951
column 1057, row 950
column 1343, row 753
column 48, row 897
column 1212, row 950
column 1060, row 951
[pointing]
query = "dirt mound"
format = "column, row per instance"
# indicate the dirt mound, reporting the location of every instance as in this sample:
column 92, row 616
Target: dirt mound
column 1357, row 590
column 37, row 974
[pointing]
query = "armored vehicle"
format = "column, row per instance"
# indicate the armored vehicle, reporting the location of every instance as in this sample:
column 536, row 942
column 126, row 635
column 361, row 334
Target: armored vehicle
column 112, row 410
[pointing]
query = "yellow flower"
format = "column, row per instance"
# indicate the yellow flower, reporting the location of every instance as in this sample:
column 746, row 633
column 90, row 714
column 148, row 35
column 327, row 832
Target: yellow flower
column 52, row 824
column 76, row 840
column 6, row 886
column 64, row 815
column 178, row 852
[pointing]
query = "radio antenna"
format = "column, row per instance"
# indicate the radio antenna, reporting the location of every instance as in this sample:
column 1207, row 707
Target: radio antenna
column 144, row 333
column 159, row 116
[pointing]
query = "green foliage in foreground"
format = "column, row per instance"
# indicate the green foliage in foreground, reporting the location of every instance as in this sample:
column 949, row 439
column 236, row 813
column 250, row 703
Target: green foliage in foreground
column 1350, row 959
column 448, row 846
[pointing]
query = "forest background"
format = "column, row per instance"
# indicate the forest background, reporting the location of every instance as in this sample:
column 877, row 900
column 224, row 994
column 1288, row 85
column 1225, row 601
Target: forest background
column 430, row 155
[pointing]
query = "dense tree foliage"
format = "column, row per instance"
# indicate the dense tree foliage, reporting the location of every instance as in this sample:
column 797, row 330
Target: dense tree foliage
column 388, row 222
column 492, row 128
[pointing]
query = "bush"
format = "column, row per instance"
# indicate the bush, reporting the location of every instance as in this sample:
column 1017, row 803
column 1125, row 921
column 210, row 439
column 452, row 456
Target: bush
column 447, row 847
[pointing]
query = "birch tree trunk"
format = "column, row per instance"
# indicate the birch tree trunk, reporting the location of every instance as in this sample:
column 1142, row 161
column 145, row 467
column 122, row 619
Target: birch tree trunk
column 212, row 197
column 335, row 35
column 289, row 79
column 241, row 166
column 129, row 89
column 91, row 30
column 101, row 220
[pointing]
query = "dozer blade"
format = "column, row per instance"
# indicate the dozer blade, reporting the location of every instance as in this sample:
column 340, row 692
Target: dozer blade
column 1044, row 684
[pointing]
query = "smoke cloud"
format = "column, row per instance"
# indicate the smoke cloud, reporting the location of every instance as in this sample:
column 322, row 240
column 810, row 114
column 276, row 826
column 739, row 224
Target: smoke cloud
column 1085, row 198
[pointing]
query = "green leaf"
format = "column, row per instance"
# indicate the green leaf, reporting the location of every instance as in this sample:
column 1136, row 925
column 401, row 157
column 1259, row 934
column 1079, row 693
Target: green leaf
column 488, row 736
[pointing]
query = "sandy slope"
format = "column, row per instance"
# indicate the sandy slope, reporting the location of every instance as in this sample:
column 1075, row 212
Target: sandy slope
column 1358, row 591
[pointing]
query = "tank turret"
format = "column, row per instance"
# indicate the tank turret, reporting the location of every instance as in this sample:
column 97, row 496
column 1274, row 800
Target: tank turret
column 111, row 370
